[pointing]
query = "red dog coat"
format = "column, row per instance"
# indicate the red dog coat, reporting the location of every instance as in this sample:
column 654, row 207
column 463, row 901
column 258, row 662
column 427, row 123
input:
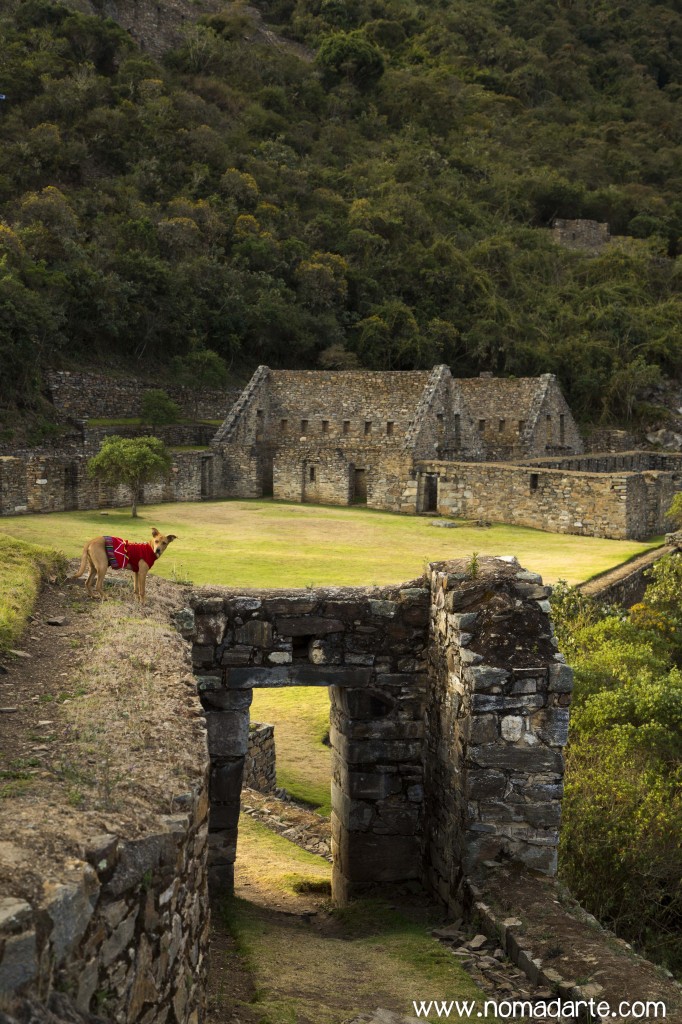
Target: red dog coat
column 123, row 554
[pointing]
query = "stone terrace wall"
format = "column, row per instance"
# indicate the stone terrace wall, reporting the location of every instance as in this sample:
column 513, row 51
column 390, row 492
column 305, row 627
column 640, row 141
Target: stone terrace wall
column 130, row 925
column 582, row 235
column 596, row 505
column 51, row 483
column 496, row 722
column 84, row 395
column 173, row 434
column 260, row 764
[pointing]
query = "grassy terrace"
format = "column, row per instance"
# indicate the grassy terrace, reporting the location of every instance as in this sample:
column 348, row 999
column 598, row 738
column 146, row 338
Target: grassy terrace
column 274, row 544
column 22, row 566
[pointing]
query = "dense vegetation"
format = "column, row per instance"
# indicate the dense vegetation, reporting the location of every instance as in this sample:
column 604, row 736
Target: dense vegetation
column 620, row 849
column 376, row 202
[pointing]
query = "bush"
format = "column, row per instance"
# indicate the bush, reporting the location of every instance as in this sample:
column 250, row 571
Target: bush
column 158, row 408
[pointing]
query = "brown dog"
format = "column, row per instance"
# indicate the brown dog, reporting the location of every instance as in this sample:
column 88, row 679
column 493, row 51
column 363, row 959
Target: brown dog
column 103, row 553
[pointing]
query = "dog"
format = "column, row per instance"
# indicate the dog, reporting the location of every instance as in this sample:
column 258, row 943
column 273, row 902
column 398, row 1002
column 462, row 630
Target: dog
column 104, row 553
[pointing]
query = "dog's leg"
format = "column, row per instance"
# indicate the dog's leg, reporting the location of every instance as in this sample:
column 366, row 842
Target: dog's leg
column 92, row 572
column 142, row 581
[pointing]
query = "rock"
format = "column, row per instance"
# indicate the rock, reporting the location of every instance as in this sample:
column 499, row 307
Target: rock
column 444, row 523
column 70, row 911
column 56, row 620
column 19, row 963
column 14, row 914
column 477, row 942
column 19, row 654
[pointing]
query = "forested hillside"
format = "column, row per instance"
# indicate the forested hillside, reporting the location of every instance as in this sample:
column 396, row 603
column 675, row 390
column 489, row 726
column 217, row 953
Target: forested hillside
column 376, row 194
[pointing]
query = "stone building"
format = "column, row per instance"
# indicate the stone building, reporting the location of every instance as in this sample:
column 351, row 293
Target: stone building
column 345, row 437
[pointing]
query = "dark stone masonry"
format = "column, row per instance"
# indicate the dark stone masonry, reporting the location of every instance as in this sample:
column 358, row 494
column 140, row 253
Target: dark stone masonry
column 449, row 713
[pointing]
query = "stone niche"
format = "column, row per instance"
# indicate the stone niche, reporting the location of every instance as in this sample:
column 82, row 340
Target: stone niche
column 449, row 712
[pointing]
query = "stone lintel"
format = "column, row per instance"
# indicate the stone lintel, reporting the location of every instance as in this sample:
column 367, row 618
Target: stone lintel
column 297, row 675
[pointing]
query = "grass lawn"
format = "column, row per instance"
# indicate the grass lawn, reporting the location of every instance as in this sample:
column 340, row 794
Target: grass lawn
column 300, row 715
column 275, row 544
column 21, row 567
column 347, row 963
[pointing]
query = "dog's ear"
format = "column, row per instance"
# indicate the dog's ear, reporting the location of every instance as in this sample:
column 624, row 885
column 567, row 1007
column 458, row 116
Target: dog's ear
column 155, row 532
column 170, row 537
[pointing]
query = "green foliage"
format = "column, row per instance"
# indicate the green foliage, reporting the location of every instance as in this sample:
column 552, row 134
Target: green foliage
column 158, row 408
column 674, row 511
column 384, row 202
column 620, row 850
column 134, row 461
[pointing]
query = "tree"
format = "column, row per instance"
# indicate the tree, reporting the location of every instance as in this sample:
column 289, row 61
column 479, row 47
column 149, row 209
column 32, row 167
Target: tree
column 159, row 408
column 134, row 461
column 200, row 368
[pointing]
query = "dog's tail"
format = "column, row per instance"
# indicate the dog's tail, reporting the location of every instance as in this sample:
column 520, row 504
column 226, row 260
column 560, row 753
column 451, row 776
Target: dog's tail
column 84, row 562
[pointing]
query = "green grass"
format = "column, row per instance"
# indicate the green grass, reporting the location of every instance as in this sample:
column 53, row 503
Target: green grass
column 365, row 956
column 22, row 565
column 275, row 544
column 136, row 421
column 301, row 719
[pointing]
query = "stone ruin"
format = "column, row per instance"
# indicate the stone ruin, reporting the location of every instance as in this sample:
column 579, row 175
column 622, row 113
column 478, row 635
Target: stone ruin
column 449, row 712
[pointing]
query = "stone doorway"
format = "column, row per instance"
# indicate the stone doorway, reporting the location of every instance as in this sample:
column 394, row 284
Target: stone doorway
column 358, row 489
column 206, row 477
column 430, row 501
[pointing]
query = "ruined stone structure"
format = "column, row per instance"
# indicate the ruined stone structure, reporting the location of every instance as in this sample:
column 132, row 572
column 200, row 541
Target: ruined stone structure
column 354, row 436
column 83, row 395
column 449, row 711
column 582, row 235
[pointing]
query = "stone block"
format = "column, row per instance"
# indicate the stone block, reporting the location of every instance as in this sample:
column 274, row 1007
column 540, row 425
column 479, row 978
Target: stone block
column 358, row 752
column 227, row 700
column 308, row 625
column 560, row 678
column 138, row 857
column 551, row 725
column 226, row 782
column 15, row 914
column 372, row 785
column 364, row 858
column 234, row 656
column 19, row 963
column 255, row 632
column 483, row 784
column 383, row 609
column 512, row 727
column 202, row 654
column 70, row 910
column 523, row 759
column 483, row 728
column 228, row 733
column 119, row 939
column 280, row 657
column 225, row 815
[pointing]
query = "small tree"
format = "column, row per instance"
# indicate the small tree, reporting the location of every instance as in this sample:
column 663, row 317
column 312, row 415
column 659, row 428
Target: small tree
column 135, row 461
column 158, row 408
column 200, row 368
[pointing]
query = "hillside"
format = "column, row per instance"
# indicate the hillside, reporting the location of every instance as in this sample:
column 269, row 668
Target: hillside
column 374, row 192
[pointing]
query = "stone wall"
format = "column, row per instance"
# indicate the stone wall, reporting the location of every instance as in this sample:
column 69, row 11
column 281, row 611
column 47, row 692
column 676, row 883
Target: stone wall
column 618, row 505
column 260, row 763
column 127, row 934
column 611, row 462
column 448, row 714
column 587, row 236
column 351, row 472
column 51, row 483
column 84, row 395
column 496, row 722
